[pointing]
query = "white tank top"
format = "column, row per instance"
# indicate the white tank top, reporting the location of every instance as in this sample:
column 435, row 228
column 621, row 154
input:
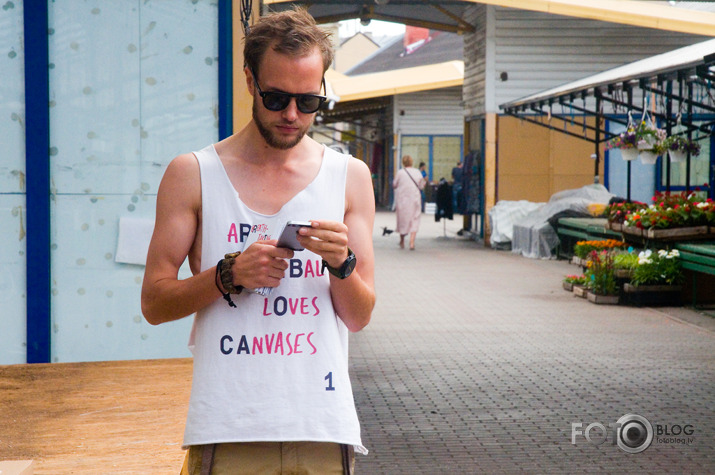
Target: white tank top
column 275, row 368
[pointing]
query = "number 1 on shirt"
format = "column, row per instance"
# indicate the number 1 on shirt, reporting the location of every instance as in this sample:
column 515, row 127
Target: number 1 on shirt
column 329, row 379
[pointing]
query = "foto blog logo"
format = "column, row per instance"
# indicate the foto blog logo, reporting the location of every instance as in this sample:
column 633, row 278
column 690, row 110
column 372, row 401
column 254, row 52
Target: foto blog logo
column 632, row 433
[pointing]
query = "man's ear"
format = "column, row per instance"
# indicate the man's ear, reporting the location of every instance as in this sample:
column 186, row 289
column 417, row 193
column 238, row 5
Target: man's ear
column 249, row 79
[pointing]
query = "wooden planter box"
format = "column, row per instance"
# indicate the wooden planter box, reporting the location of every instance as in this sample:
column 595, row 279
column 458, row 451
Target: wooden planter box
column 622, row 273
column 692, row 232
column 580, row 291
column 632, row 231
column 602, row 299
column 652, row 295
column 618, row 227
column 568, row 286
column 579, row 261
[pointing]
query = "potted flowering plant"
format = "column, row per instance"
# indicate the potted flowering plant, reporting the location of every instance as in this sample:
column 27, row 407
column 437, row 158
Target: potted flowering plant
column 570, row 281
column 655, row 279
column 602, row 285
column 650, row 142
column 678, row 147
column 673, row 210
column 626, row 142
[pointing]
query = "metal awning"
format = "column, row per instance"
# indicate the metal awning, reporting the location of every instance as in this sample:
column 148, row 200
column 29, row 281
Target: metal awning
column 448, row 15
column 671, row 77
column 681, row 62
column 675, row 88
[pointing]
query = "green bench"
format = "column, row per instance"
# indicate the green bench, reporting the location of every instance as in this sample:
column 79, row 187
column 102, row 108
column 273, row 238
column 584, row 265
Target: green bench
column 698, row 258
column 572, row 230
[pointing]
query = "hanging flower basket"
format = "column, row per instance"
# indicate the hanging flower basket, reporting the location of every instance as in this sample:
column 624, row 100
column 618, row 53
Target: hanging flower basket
column 677, row 156
column 647, row 142
column 643, row 137
column 629, row 154
column 648, row 157
column 680, row 145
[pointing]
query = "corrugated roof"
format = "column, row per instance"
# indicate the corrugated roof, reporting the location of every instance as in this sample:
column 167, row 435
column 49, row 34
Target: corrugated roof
column 440, row 48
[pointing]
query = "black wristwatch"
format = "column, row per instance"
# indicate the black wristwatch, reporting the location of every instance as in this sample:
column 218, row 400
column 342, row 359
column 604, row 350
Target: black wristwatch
column 345, row 269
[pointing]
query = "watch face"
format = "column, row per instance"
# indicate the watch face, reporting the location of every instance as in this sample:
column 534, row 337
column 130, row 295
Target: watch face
column 349, row 265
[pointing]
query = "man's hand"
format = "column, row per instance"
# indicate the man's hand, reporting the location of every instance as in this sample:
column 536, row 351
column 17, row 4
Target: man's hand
column 262, row 264
column 328, row 239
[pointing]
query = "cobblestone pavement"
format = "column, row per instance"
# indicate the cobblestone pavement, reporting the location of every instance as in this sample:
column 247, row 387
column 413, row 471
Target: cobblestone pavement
column 476, row 361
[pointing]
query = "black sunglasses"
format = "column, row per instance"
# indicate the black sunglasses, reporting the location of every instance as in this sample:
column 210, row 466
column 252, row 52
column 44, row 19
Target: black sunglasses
column 277, row 101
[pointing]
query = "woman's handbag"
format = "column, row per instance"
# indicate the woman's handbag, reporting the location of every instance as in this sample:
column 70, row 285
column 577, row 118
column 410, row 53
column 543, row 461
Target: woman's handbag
column 413, row 180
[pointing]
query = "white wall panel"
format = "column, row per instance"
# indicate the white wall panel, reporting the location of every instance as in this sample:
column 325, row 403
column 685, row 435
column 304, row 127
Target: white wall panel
column 96, row 309
column 132, row 85
column 13, row 324
column 437, row 112
column 13, row 240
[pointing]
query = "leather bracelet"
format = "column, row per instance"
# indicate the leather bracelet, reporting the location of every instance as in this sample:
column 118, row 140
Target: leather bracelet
column 226, row 296
column 227, row 274
column 223, row 272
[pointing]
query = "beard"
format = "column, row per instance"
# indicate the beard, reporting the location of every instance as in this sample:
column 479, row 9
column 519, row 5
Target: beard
column 274, row 140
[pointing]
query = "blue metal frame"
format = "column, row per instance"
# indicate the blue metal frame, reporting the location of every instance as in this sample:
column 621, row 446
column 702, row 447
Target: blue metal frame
column 430, row 164
column 659, row 186
column 37, row 169
column 225, row 69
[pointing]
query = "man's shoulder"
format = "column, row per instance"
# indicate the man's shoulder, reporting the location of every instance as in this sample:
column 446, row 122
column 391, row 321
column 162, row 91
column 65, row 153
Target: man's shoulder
column 186, row 162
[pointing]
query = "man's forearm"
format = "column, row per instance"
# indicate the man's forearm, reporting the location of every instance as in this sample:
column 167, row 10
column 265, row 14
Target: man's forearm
column 170, row 299
column 353, row 300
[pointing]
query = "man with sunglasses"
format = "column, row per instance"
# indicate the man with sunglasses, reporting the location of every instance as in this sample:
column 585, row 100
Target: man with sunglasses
column 271, row 391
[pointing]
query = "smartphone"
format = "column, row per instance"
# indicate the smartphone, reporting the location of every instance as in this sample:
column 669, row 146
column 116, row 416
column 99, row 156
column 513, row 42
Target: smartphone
column 288, row 235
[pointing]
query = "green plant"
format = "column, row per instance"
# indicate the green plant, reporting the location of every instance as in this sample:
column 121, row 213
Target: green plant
column 576, row 279
column 601, row 273
column 625, row 260
column 661, row 268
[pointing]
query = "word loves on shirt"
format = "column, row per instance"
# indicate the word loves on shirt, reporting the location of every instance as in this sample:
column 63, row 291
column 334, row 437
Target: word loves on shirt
column 304, row 306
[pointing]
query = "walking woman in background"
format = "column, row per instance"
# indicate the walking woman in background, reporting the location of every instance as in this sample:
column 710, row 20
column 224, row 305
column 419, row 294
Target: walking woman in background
column 408, row 184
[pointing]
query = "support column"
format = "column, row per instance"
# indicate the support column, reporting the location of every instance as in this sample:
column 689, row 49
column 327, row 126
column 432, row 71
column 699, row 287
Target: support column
column 242, row 100
column 490, row 169
column 37, row 169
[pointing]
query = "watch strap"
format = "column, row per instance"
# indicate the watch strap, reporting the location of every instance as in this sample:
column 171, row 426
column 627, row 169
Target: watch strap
column 340, row 272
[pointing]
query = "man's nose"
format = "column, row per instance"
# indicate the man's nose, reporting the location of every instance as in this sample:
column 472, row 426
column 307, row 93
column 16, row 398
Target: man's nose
column 291, row 111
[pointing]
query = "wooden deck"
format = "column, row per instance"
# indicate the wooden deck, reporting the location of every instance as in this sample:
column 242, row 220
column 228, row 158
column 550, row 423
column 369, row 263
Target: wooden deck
column 105, row 417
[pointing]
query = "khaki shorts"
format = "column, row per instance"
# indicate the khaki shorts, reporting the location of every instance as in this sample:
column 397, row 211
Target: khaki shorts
column 258, row 458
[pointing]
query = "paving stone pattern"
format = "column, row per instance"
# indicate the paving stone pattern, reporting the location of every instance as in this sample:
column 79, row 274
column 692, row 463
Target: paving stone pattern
column 477, row 361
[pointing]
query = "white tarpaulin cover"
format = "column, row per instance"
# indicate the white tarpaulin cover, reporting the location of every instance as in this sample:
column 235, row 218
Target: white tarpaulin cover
column 534, row 237
column 502, row 217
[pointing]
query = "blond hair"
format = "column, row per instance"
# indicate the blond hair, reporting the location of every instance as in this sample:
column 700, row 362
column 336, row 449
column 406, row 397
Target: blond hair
column 292, row 32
